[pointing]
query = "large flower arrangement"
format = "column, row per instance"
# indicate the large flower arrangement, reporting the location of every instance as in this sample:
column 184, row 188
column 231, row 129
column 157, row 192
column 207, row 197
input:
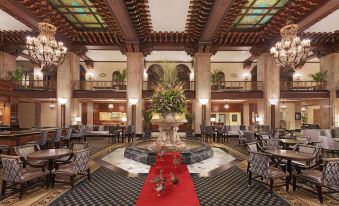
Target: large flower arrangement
column 168, row 97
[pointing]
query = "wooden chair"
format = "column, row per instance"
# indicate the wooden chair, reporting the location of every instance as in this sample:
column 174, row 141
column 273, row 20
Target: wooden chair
column 14, row 174
column 328, row 177
column 67, row 138
column 209, row 133
column 43, row 139
column 25, row 150
column 79, row 166
column 57, row 138
column 260, row 167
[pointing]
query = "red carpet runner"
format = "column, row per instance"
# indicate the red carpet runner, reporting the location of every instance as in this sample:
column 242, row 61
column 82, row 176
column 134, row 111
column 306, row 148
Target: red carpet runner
column 183, row 194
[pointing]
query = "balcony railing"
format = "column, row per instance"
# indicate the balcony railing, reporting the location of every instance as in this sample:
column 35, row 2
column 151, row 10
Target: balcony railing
column 239, row 86
column 99, row 85
column 45, row 85
column 303, row 86
column 149, row 85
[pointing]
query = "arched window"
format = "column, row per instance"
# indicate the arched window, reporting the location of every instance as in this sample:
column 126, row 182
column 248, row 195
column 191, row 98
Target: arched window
column 152, row 73
column 184, row 75
column 221, row 76
column 115, row 74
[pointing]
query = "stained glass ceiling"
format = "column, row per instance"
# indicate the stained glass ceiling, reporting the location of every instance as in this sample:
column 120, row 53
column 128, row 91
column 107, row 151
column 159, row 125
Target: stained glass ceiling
column 80, row 13
column 257, row 13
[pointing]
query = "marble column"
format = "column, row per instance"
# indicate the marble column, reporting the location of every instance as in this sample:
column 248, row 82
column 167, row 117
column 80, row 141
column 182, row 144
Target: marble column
column 325, row 114
column 330, row 63
column 202, row 73
column 67, row 73
column 269, row 73
column 135, row 74
column 246, row 113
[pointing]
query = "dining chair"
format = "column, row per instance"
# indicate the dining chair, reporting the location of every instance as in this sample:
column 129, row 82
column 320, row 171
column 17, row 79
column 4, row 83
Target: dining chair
column 225, row 130
column 57, row 138
column 14, row 174
column 77, row 167
column 209, row 133
column 129, row 134
column 114, row 133
column 328, row 177
column 67, row 138
column 202, row 131
column 80, row 134
column 271, row 144
column 251, row 147
column 260, row 167
column 43, row 139
column 307, row 149
column 77, row 146
column 24, row 150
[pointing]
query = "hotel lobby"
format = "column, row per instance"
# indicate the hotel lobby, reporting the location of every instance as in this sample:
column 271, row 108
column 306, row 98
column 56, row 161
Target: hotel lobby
column 169, row 102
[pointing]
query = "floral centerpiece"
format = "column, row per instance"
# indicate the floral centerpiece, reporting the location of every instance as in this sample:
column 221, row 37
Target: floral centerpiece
column 168, row 97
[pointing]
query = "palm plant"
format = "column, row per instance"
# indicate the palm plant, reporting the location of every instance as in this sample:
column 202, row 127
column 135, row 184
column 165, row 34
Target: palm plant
column 16, row 74
column 168, row 75
column 190, row 118
column 147, row 123
column 121, row 75
column 319, row 76
column 215, row 76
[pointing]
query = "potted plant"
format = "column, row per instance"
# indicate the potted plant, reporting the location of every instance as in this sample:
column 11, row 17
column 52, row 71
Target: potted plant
column 190, row 118
column 120, row 78
column 215, row 78
column 319, row 77
column 16, row 75
column 147, row 123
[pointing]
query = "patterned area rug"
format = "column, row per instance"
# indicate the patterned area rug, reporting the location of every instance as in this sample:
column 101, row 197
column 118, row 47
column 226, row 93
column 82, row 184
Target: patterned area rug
column 97, row 144
column 106, row 188
column 230, row 188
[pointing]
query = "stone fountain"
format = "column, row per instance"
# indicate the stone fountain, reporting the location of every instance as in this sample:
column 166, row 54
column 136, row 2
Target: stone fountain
column 169, row 139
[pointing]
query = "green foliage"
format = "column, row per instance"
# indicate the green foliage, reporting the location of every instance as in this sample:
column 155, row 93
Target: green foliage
column 190, row 118
column 121, row 75
column 168, row 76
column 16, row 74
column 215, row 76
column 147, row 119
column 319, row 76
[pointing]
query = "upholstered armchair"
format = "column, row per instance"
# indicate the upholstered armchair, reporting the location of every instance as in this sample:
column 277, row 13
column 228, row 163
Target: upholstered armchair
column 328, row 177
column 260, row 167
column 67, row 138
column 79, row 166
column 14, row 174
column 25, row 150
column 307, row 149
column 271, row 144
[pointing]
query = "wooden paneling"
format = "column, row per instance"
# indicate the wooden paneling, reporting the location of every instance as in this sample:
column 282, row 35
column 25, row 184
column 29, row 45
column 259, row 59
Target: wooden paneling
column 304, row 95
column 84, row 113
column 99, row 94
column 36, row 94
column 103, row 107
column 237, row 95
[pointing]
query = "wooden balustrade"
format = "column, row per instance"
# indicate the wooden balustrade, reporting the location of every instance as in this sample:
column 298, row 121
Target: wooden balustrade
column 45, row 85
column 243, row 86
column 100, row 85
column 303, row 86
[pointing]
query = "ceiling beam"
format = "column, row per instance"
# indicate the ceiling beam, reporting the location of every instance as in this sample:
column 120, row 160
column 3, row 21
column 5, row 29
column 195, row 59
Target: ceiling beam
column 318, row 14
column 118, row 10
column 217, row 15
column 19, row 12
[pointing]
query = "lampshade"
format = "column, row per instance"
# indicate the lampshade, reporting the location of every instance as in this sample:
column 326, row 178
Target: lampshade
column 213, row 119
column 133, row 101
column 62, row 100
column 203, row 101
column 77, row 119
column 273, row 101
column 227, row 106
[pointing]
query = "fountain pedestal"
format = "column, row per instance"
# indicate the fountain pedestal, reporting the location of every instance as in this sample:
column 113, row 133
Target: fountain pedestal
column 169, row 139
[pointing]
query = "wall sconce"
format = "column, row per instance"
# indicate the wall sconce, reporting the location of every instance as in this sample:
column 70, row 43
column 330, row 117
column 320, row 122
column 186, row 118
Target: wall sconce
column 90, row 76
column 246, row 76
column 77, row 119
column 303, row 109
column 297, row 76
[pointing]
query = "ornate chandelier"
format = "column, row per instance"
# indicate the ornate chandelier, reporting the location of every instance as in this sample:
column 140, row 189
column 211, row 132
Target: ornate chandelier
column 44, row 48
column 290, row 52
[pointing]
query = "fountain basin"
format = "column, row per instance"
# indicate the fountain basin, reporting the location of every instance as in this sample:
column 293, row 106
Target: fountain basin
column 141, row 151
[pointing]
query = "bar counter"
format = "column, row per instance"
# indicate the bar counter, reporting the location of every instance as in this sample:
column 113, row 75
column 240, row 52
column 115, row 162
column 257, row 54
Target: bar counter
column 17, row 138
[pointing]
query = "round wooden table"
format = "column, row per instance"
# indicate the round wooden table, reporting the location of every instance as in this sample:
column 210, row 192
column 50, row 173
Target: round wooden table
column 290, row 155
column 51, row 155
column 288, row 142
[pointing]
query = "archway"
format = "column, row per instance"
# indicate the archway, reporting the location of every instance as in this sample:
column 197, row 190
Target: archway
column 153, row 77
column 184, row 75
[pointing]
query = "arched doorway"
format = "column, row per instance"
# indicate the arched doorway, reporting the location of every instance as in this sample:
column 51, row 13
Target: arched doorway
column 184, row 75
column 153, row 77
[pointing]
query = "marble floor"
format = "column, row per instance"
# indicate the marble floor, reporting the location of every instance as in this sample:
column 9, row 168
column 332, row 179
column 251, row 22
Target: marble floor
column 202, row 168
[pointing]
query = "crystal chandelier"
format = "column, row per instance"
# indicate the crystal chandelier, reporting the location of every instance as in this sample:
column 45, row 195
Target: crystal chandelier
column 290, row 52
column 44, row 48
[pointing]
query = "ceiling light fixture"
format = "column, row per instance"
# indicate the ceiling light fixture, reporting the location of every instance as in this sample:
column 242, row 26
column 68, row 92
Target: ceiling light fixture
column 283, row 106
column 290, row 52
column 227, row 106
column 110, row 106
column 44, row 48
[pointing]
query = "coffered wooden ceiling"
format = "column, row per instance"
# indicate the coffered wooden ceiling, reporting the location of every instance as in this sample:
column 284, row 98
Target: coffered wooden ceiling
column 210, row 24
